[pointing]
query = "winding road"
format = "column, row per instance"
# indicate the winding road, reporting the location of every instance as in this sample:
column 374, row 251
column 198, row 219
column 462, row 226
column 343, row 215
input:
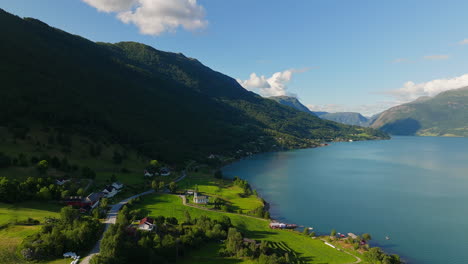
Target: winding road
column 112, row 218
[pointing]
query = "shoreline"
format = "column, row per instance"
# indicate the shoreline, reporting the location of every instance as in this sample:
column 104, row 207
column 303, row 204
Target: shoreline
column 268, row 207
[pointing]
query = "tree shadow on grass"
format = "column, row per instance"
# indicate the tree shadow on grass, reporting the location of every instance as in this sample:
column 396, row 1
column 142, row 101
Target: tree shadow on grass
column 294, row 257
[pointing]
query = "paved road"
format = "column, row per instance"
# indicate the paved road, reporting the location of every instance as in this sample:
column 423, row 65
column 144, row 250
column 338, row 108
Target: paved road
column 112, row 218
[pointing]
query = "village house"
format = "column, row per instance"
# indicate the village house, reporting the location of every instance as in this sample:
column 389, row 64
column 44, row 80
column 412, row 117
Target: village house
column 146, row 224
column 90, row 201
column 200, row 199
column 61, row 181
column 117, row 185
column 110, row 191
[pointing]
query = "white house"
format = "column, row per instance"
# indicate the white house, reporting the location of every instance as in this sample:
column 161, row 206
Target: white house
column 146, row 224
column 117, row 185
column 200, row 199
column 110, row 191
column 61, row 181
column 148, row 174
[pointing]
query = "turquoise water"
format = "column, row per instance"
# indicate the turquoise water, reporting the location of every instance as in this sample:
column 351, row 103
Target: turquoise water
column 413, row 189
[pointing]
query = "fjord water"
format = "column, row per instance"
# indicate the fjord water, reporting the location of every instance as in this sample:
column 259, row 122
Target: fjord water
column 412, row 189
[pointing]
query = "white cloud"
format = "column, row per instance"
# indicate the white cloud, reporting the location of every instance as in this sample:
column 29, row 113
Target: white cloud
column 411, row 91
column 436, row 57
column 154, row 17
column 463, row 42
column 273, row 86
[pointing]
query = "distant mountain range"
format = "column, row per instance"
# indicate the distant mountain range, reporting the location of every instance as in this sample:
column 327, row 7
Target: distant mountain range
column 348, row 118
column 445, row 114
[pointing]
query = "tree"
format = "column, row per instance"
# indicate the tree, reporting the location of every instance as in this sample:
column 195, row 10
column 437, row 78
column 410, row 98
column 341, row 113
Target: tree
column 162, row 186
column 366, row 237
column 155, row 185
column 104, row 203
column 312, row 234
column 44, row 194
column 172, row 187
column 333, row 233
column 233, row 241
column 42, row 166
column 306, row 231
column 188, row 218
column 80, row 192
column 64, row 194
column 68, row 214
column 154, row 163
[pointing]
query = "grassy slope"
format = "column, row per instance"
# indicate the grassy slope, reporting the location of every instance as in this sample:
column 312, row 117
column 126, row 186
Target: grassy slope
column 12, row 236
column 223, row 189
column 310, row 250
column 21, row 211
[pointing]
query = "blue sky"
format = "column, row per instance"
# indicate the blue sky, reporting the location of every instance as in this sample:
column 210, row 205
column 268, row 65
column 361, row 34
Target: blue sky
column 334, row 55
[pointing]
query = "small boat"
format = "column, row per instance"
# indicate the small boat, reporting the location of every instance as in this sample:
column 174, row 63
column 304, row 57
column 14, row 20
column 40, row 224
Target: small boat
column 387, row 237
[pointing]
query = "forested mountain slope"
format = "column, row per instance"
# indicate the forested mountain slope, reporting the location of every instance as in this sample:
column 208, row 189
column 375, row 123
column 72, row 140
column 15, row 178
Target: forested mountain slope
column 162, row 104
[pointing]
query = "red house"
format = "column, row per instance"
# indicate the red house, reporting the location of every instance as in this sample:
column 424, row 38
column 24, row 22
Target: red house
column 91, row 200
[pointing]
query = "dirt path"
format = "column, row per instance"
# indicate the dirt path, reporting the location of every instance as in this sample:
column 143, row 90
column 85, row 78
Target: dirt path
column 358, row 259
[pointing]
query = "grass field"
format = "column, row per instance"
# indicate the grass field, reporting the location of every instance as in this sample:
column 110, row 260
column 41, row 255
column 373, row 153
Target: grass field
column 221, row 188
column 21, row 211
column 307, row 249
column 205, row 256
column 11, row 236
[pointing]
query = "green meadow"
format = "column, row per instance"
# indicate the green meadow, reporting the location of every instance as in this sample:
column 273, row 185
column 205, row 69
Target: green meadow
column 307, row 249
column 221, row 188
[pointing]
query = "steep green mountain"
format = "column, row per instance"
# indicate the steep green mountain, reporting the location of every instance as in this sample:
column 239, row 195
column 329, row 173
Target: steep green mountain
column 445, row 114
column 164, row 105
column 349, row 118
column 292, row 102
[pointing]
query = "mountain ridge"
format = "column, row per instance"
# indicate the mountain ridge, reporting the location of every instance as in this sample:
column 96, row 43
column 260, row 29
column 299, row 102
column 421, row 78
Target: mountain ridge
column 445, row 114
column 163, row 104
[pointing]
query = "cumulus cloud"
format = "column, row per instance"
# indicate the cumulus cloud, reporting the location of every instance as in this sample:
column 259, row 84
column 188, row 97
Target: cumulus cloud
column 154, row 17
column 463, row 42
column 273, row 86
column 436, row 57
column 411, row 91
